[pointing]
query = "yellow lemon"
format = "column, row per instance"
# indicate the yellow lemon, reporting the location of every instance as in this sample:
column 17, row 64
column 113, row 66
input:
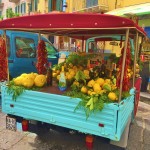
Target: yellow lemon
column 112, row 96
column 91, row 83
column 69, row 76
column 100, row 81
column 54, row 74
column 32, row 76
column 40, row 80
column 72, row 73
column 93, row 93
column 18, row 80
column 107, row 81
column 96, row 88
column 76, row 83
column 84, row 89
column 24, row 75
column 86, row 72
column 89, row 91
column 28, row 82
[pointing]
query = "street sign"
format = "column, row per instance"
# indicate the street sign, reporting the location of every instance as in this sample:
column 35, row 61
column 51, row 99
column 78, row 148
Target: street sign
column 113, row 43
column 10, row 123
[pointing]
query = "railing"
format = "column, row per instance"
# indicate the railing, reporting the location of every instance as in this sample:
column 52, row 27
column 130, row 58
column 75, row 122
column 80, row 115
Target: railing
column 90, row 6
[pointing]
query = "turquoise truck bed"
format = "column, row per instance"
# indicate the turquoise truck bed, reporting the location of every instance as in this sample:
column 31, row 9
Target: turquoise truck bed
column 59, row 110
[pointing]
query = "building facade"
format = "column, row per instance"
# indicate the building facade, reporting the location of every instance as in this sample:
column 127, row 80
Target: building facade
column 30, row 7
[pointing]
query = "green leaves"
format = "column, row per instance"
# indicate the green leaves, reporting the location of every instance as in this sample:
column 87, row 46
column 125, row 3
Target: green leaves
column 80, row 76
column 90, row 104
column 15, row 90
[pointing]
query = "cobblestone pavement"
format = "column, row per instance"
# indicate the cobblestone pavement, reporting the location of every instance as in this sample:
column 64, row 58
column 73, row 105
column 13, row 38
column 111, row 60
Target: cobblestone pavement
column 140, row 129
column 59, row 140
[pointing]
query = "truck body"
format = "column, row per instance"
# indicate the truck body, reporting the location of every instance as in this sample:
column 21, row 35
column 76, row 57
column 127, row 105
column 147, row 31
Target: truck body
column 60, row 110
column 50, row 106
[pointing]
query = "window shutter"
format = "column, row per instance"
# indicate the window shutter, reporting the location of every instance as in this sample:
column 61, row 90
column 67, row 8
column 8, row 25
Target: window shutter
column 31, row 6
column 21, row 8
column 35, row 5
column 16, row 10
column 49, row 5
column 59, row 5
column 24, row 7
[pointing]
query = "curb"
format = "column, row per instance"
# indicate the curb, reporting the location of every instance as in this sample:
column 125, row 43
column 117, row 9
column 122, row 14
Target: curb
column 143, row 106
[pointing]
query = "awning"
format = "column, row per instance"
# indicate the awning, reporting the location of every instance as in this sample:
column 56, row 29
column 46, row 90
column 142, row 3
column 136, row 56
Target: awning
column 72, row 24
column 140, row 9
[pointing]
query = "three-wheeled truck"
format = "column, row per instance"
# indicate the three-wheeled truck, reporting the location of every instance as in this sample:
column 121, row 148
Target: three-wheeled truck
column 50, row 106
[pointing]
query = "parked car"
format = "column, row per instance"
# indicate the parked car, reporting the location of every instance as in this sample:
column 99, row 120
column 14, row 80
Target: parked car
column 22, row 51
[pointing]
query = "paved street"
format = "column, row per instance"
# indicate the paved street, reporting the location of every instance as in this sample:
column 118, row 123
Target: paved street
column 61, row 140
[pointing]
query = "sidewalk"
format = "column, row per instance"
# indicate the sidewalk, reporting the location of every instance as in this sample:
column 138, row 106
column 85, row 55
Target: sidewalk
column 140, row 129
column 145, row 95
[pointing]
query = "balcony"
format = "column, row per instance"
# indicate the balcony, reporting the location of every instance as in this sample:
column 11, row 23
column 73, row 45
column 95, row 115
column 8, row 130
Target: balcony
column 94, row 9
column 35, row 13
column 1, row 5
column 14, row 1
column 94, row 6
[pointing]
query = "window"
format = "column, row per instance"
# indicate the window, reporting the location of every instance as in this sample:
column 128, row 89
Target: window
column 25, row 48
column 50, row 50
column 90, row 3
column 34, row 5
column 49, row 5
column 16, row 9
column 55, row 5
column 23, row 8
column 95, row 2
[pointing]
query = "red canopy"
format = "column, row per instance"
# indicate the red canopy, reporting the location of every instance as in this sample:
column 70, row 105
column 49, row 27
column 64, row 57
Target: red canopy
column 72, row 24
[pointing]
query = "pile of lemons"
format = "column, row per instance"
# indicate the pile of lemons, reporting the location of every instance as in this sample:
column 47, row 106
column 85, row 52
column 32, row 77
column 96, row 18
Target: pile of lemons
column 30, row 80
column 70, row 72
column 100, row 86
